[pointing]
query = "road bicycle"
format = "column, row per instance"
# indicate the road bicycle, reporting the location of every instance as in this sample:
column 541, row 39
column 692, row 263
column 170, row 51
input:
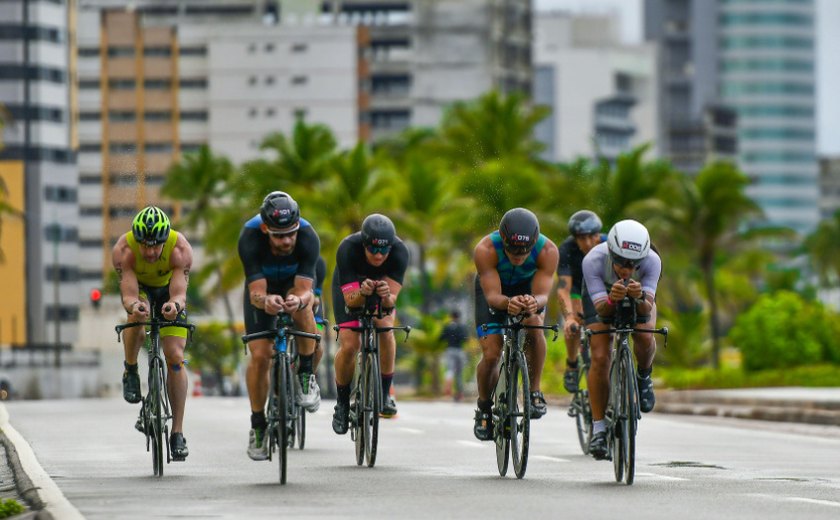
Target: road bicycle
column 284, row 415
column 623, row 413
column 367, row 385
column 512, row 395
column 155, row 410
column 579, row 408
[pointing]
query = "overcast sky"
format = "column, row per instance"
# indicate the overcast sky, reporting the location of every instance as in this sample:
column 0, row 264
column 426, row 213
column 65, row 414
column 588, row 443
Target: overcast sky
column 828, row 46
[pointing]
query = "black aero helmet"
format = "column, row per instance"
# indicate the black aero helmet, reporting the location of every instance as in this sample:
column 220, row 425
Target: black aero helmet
column 378, row 231
column 584, row 222
column 279, row 210
column 520, row 230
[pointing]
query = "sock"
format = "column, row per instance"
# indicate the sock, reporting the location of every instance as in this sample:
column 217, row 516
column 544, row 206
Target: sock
column 305, row 363
column 485, row 406
column 386, row 384
column 130, row 368
column 571, row 365
column 258, row 421
column 599, row 426
column 343, row 392
column 644, row 372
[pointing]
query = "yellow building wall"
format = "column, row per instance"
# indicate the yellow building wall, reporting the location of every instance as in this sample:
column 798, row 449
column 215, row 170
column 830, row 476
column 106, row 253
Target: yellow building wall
column 13, row 262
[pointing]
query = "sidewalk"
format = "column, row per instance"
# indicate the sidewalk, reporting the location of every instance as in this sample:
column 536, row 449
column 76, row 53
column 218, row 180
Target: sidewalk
column 789, row 404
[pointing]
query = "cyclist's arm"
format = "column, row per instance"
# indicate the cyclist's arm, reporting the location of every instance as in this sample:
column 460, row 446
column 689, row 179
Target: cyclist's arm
column 123, row 260
column 649, row 272
column 564, row 296
column 308, row 248
column 544, row 277
column 303, row 290
column 592, row 271
column 394, row 287
column 181, row 263
column 491, row 285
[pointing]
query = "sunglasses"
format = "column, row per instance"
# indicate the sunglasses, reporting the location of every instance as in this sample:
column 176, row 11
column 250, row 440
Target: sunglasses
column 281, row 234
column 517, row 251
column 378, row 250
column 626, row 263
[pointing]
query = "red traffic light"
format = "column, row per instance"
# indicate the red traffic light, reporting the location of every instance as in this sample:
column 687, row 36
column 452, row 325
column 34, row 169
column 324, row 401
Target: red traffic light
column 95, row 295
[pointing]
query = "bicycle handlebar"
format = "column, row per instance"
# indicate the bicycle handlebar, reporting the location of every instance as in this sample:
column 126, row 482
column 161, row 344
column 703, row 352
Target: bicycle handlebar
column 174, row 323
column 405, row 328
column 273, row 333
column 518, row 325
column 663, row 331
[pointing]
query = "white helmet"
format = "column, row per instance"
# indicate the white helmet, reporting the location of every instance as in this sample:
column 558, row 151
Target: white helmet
column 628, row 241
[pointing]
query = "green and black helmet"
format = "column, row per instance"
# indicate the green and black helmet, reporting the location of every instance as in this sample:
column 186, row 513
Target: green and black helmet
column 151, row 226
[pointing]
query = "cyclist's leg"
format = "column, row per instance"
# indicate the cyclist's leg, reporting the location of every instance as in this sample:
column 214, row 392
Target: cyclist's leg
column 133, row 339
column 387, row 354
column 535, row 347
column 644, row 344
column 176, row 378
column 304, row 320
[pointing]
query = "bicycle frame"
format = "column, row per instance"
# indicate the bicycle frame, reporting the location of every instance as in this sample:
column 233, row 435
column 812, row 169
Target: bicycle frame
column 367, row 385
column 622, row 412
column 155, row 411
column 508, row 419
column 282, row 410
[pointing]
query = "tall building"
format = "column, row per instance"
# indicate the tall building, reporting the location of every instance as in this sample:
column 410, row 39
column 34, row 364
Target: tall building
column 602, row 93
column 164, row 78
column 829, row 187
column 756, row 58
column 426, row 55
column 38, row 165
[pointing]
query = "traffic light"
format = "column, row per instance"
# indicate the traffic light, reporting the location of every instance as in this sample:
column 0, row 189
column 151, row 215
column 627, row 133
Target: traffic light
column 95, row 298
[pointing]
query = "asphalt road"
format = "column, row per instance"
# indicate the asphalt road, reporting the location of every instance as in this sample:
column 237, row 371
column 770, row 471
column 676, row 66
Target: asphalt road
column 429, row 465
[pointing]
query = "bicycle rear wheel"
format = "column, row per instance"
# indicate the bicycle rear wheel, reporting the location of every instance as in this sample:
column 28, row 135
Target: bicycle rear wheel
column 281, row 432
column 501, row 432
column 519, row 413
column 583, row 419
column 372, row 404
column 631, row 407
column 301, row 428
column 620, row 431
column 156, row 410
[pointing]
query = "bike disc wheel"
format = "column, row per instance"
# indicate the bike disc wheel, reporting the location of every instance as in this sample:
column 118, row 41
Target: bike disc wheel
column 280, row 423
column 619, row 441
column 631, row 406
column 372, row 405
column 357, row 411
column 500, row 437
column 583, row 419
column 301, row 428
column 519, row 415
column 156, row 419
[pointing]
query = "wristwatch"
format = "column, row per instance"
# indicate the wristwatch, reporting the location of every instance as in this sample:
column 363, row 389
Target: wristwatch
column 642, row 298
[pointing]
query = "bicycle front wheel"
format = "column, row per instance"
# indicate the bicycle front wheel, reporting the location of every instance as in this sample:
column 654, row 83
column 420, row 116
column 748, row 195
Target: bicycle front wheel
column 281, row 432
column 372, row 405
column 301, row 427
column 583, row 418
column 620, row 432
column 156, row 414
column 501, row 430
column 631, row 407
column 519, row 407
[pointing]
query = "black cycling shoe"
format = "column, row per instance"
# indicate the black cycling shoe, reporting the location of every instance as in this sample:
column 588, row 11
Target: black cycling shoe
column 131, row 386
column 646, row 397
column 178, row 446
column 341, row 418
column 483, row 428
column 598, row 446
column 570, row 380
column 538, row 406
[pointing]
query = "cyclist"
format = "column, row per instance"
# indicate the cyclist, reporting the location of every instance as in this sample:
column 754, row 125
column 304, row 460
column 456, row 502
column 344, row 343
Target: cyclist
column 371, row 261
column 279, row 250
column 153, row 265
column 318, row 306
column 515, row 268
column 623, row 266
column 584, row 234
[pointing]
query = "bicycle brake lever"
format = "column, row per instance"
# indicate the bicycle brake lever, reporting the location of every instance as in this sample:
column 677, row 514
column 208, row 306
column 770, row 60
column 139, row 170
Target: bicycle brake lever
column 407, row 332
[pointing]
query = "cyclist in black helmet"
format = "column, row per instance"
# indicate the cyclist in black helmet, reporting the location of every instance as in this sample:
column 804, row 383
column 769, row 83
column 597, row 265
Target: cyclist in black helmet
column 515, row 267
column 584, row 234
column 279, row 251
column 153, row 265
column 371, row 261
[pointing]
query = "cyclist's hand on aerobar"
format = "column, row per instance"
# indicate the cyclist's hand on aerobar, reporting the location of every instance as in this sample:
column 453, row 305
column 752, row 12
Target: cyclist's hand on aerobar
column 292, row 303
column 618, row 291
column 634, row 289
column 170, row 311
column 139, row 311
column 529, row 303
column 367, row 287
column 274, row 303
column 516, row 306
column 383, row 289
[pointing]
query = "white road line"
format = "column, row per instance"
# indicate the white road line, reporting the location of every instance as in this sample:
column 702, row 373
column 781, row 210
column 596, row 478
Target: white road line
column 658, row 476
column 830, row 503
column 548, row 457
column 473, row 444
column 56, row 503
column 411, row 430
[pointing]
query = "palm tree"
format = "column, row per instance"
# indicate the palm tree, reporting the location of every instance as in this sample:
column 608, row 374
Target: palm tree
column 824, row 250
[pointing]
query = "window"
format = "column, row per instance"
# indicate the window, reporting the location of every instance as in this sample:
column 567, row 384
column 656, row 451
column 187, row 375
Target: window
column 65, row 313
column 91, row 211
column 60, row 194
column 158, row 147
column 90, row 179
column 299, row 113
column 119, row 148
column 252, row 80
column 122, row 179
column 299, row 47
column 155, row 180
column 89, row 52
column 88, row 84
column 269, row 47
column 193, row 83
column 252, row 48
column 196, row 115
column 64, row 273
column 121, row 84
column 160, row 115
column 157, row 51
column 252, row 113
column 269, row 80
column 58, row 233
column 123, row 211
column 121, row 116
column 157, row 84
column 120, row 52
column 90, row 147
column 299, row 80
column 91, row 275
column 193, row 51
column 90, row 116
column 90, row 243
column 269, row 112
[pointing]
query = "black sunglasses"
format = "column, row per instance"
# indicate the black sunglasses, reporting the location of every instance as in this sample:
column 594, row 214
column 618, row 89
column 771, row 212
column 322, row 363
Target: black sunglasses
column 626, row 263
column 281, row 234
column 382, row 250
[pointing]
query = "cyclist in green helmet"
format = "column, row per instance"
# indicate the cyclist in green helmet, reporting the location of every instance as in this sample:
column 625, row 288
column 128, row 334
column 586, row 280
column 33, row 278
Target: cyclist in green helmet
column 153, row 264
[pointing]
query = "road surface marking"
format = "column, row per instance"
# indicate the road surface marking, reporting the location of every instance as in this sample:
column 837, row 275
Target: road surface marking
column 548, row 457
column 473, row 444
column 56, row 503
column 660, row 477
column 411, row 430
